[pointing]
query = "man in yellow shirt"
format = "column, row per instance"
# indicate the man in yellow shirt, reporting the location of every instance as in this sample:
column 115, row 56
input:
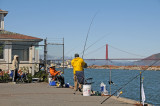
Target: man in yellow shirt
column 78, row 72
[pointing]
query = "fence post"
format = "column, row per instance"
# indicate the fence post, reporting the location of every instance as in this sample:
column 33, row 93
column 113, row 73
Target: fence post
column 45, row 54
column 33, row 60
column 63, row 55
column 110, row 80
column 140, row 89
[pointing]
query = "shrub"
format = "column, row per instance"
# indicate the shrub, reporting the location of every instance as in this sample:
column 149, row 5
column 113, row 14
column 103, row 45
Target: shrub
column 42, row 75
column 29, row 76
column 5, row 77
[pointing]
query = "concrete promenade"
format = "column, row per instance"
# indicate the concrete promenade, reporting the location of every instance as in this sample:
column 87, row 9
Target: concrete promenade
column 41, row 94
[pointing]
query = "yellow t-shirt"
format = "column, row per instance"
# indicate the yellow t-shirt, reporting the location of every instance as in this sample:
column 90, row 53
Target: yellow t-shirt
column 77, row 64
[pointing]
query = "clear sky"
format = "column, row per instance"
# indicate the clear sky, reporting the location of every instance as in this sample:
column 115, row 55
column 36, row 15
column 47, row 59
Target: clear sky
column 129, row 25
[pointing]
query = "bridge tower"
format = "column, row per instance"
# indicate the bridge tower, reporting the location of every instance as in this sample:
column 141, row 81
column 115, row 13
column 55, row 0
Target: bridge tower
column 106, row 51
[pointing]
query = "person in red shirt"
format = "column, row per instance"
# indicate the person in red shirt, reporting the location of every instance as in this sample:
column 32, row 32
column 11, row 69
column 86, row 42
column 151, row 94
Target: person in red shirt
column 53, row 72
column 56, row 75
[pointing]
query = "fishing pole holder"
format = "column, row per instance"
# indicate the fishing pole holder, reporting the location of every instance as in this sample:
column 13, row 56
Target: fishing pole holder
column 88, row 81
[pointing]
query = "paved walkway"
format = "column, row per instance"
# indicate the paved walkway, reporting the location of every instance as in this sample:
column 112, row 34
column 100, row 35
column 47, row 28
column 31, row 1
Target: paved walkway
column 41, row 94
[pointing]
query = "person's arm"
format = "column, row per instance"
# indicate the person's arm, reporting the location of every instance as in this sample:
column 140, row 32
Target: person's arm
column 84, row 64
column 13, row 65
column 56, row 72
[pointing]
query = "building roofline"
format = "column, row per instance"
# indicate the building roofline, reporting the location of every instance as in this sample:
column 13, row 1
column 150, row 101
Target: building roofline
column 11, row 36
column 3, row 12
column 30, row 40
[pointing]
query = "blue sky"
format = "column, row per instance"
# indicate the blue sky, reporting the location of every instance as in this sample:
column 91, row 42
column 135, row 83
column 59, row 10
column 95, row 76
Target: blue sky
column 129, row 25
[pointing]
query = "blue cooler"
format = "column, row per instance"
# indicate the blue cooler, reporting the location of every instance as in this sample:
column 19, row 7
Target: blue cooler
column 67, row 85
column 52, row 83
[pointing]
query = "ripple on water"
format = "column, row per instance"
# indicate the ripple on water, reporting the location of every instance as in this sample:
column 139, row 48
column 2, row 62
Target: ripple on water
column 121, row 77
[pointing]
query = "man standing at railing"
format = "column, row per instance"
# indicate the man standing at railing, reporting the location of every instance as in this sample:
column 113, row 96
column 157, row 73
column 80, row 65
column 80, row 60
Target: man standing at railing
column 78, row 72
column 15, row 67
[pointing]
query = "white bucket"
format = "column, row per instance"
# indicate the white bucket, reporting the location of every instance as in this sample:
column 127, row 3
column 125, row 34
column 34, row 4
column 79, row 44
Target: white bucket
column 49, row 80
column 86, row 90
column 105, row 92
column 103, row 89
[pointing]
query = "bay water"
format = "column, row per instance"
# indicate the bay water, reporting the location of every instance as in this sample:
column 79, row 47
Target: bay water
column 151, row 82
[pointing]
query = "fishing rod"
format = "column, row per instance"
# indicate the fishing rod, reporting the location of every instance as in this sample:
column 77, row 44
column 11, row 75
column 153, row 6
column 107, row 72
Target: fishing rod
column 87, row 47
column 88, row 33
column 87, row 38
column 95, row 42
column 128, row 82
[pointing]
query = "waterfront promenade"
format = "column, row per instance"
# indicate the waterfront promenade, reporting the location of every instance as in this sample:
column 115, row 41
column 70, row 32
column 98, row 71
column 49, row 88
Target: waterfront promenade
column 41, row 94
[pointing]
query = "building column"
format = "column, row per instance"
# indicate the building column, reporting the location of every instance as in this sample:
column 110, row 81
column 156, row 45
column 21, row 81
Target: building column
column 2, row 21
column 8, row 55
column 33, row 60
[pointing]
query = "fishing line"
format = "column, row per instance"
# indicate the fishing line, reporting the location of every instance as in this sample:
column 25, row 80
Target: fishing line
column 87, row 36
column 71, row 50
column 128, row 82
column 96, row 42
column 88, row 33
column 96, row 49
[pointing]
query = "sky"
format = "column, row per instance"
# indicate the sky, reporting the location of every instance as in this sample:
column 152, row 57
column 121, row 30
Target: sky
column 132, row 26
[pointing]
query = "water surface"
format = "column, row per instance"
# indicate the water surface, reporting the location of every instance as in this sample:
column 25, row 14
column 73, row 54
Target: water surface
column 121, row 77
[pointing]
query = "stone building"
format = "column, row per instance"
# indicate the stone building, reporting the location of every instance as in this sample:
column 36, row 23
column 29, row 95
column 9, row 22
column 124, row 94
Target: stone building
column 17, row 44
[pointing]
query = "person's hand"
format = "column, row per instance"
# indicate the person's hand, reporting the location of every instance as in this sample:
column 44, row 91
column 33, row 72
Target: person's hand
column 59, row 72
column 85, row 66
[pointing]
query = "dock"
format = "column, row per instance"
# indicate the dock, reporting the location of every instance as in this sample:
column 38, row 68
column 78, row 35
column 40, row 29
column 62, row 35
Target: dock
column 41, row 94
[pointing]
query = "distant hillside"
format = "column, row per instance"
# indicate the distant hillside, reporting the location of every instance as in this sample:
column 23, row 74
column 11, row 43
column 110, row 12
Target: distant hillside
column 149, row 60
column 154, row 56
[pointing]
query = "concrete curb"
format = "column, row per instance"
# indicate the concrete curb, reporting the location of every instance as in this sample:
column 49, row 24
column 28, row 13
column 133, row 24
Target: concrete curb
column 130, row 101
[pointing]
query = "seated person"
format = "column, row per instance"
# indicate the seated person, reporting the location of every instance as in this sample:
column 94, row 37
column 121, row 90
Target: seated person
column 53, row 72
column 56, row 75
column 20, row 74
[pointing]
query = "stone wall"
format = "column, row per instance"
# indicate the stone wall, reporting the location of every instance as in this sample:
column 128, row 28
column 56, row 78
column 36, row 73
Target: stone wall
column 22, row 67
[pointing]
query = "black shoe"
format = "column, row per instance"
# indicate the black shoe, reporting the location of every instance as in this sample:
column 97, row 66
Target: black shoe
column 79, row 89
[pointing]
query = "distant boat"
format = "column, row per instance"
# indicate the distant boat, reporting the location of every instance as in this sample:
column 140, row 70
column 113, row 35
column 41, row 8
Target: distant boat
column 66, row 66
column 63, row 66
column 69, row 66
